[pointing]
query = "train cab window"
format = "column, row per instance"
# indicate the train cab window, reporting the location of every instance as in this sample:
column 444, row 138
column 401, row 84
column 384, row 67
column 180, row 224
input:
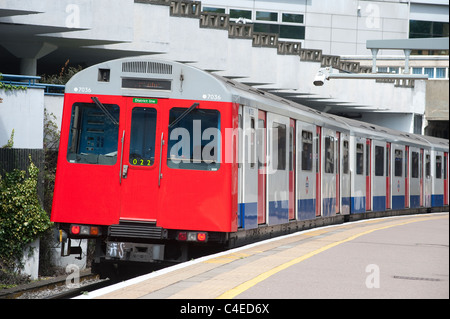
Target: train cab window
column 142, row 136
column 398, row 163
column 359, row 159
column 427, row 166
column 194, row 141
column 329, row 154
column 279, row 138
column 379, row 160
column 414, row 165
column 345, row 160
column 94, row 134
column 307, row 150
column 439, row 166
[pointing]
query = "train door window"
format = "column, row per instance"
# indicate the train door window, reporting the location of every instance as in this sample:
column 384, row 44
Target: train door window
column 252, row 143
column 194, row 141
column 142, row 136
column 359, row 159
column 414, row 164
column 94, row 134
column 379, row 160
column 291, row 148
column 307, row 150
column 398, row 163
column 438, row 166
column 427, row 166
column 279, row 137
column 329, row 154
column 345, row 161
column 261, row 152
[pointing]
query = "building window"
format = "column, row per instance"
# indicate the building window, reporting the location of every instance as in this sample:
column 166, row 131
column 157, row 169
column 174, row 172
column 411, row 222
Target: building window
column 236, row 14
column 215, row 10
column 440, row 73
column 430, row 72
column 427, row 29
column 266, row 16
column 290, row 17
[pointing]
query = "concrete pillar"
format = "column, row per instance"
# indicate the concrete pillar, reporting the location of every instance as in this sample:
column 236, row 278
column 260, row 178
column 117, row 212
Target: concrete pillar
column 28, row 66
column 374, row 60
column 407, row 54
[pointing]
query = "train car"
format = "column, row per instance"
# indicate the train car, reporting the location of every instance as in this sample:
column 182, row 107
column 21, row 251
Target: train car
column 159, row 160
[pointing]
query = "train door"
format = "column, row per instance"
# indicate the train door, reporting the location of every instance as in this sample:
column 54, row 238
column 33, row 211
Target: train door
column 414, row 177
column 328, row 173
column 338, row 172
column 368, row 175
column 427, row 187
column 345, row 175
column 398, row 196
column 89, row 157
column 292, row 151
column 407, row 178
column 306, row 172
column 445, row 178
column 388, row 176
column 421, row 177
column 262, row 166
column 379, row 191
column 358, row 177
column 140, row 161
column 318, row 161
column 278, row 169
column 249, row 209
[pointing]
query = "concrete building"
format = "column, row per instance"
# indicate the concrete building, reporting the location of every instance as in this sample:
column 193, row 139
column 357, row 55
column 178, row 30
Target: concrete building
column 273, row 45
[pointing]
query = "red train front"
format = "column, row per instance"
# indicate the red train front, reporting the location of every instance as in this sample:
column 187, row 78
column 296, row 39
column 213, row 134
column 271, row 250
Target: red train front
column 141, row 162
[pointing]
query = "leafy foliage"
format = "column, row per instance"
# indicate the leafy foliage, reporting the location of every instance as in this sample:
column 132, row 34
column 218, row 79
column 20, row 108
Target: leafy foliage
column 22, row 219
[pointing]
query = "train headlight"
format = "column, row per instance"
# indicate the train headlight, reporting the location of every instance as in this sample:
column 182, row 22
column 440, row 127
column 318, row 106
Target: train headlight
column 85, row 230
column 192, row 236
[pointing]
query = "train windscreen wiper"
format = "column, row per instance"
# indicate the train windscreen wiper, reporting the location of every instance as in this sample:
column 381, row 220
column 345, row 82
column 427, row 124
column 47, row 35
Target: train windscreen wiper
column 104, row 110
column 183, row 115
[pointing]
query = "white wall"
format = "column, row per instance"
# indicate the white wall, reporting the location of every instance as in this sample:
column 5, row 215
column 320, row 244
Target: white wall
column 23, row 111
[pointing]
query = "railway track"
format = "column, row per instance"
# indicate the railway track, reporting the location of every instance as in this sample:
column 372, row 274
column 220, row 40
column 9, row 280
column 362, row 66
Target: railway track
column 55, row 288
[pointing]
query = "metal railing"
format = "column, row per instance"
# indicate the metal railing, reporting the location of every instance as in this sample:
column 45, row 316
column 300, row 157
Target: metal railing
column 30, row 81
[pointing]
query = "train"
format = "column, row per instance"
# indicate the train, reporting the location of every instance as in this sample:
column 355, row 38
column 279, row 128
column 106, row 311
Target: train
column 160, row 161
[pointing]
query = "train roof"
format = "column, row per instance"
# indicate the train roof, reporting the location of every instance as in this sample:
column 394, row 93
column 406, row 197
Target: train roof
column 146, row 76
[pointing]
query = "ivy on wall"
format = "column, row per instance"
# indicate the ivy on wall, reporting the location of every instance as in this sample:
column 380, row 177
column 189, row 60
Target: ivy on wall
column 22, row 219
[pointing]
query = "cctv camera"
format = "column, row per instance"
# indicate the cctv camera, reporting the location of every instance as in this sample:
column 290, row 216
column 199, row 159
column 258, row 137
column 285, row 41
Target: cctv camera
column 319, row 79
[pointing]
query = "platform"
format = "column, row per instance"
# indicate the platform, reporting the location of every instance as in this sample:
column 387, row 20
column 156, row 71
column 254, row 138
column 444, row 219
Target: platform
column 393, row 257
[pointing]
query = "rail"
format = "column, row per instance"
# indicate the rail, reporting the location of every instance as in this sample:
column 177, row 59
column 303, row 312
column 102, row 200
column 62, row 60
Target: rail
column 30, row 81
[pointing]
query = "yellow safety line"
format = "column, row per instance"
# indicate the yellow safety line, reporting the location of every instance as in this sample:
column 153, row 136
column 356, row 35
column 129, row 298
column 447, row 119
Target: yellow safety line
column 230, row 294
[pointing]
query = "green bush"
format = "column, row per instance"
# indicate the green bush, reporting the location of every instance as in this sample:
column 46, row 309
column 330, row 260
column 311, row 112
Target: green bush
column 22, row 219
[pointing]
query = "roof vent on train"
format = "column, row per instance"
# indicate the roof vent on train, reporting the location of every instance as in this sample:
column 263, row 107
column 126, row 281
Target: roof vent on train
column 147, row 67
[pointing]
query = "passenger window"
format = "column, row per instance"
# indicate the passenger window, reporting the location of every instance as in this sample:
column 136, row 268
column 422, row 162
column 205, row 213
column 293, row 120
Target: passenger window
column 359, row 159
column 329, row 154
column 427, row 166
column 94, row 134
column 398, row 163
column 194, row 141
column 439, row 166
column 142, row 136
column 307, row 150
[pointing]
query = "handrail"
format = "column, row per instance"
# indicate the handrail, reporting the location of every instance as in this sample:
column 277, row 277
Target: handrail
column 30, row 81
